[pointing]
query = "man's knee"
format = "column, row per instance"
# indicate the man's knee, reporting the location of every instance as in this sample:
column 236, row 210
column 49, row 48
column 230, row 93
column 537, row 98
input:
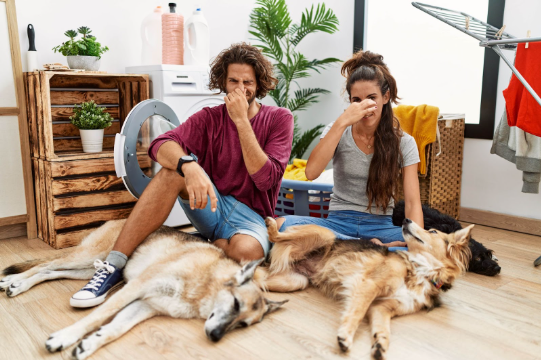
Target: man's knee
column 244, row 247
column 171, row 180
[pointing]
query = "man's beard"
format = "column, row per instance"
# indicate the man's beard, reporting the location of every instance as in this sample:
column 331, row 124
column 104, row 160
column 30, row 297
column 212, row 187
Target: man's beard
column 251, row 99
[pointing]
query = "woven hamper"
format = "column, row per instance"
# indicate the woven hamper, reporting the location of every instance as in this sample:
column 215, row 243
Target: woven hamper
column 440, row 187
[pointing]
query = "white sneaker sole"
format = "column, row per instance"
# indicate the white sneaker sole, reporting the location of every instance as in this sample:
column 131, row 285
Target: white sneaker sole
column 86, row 303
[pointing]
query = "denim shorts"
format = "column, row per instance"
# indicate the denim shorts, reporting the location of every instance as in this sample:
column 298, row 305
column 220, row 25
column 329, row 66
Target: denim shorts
column 351, row 225
column 231, row 217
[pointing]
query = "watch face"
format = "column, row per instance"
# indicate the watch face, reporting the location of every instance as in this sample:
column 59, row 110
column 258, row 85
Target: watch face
column 187, row 158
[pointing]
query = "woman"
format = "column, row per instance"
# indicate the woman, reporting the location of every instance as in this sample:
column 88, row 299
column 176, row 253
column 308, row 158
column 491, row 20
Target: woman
column 369, row 152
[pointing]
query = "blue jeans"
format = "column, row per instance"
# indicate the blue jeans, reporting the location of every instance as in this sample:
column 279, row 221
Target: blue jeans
column 350, row 225
column 231, row 217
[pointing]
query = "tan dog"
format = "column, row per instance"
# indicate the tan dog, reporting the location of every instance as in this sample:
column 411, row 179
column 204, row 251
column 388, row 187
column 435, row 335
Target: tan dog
column 367, row 278
column 170, row 273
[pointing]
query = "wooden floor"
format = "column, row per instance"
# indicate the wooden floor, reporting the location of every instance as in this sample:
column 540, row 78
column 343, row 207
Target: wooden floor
column 481, row 318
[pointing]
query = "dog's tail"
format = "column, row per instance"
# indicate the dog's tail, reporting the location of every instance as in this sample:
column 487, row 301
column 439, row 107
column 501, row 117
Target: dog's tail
column 26, row 265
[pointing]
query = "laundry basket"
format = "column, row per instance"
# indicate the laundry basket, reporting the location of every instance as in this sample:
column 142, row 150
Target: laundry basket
column 303, row 198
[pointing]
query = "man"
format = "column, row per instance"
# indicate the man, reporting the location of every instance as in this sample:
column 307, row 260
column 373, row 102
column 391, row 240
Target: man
column 241, row 150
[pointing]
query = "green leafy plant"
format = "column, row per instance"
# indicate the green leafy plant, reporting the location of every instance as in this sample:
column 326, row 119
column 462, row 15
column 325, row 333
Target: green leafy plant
column 271, row 25
column 89, row 116
column 86, row 46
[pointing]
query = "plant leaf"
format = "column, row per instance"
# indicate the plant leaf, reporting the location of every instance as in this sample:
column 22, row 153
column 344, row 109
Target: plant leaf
column 321, row 20
column 304, row 98
column 304, row 142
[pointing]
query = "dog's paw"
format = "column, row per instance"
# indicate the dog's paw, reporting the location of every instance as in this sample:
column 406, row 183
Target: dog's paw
column 84, row 349
column 344, row 343
column 6, row 282
column 377, row 352
column 15, row 289
column 270, row 221
column 60, row 340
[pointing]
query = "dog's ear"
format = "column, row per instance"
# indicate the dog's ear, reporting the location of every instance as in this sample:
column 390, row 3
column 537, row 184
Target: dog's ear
column 459, row 251
column 273, row 305
column 247, row 272
column 462, row 236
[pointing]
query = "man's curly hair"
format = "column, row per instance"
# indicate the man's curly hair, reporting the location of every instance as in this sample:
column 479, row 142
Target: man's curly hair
column 242, row 53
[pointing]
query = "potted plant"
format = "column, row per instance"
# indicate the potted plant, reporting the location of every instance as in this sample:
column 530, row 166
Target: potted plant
column 91, row 119
column 84, row 53
column 271, row 25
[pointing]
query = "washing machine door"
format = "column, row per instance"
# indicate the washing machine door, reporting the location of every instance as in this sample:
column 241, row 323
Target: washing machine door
column 147, row 120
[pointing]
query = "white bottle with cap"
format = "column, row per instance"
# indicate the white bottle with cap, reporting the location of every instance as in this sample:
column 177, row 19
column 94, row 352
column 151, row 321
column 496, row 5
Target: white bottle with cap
column 151, row 36
column 197, row 40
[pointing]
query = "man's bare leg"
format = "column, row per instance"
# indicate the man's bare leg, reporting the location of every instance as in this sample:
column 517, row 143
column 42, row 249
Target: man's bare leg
column 151, row 210
column 241, row 247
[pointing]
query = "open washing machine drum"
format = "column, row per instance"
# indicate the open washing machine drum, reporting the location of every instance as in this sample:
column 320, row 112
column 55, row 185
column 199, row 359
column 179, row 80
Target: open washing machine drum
column 145, row 122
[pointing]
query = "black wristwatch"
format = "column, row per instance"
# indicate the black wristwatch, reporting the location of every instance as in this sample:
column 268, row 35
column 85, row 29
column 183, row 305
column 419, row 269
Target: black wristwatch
column 183, row 160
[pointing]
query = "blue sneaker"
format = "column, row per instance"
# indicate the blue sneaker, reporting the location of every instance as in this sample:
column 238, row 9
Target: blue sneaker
column 106, row 279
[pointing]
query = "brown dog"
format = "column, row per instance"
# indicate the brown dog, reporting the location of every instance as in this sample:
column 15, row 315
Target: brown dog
column 367, row 278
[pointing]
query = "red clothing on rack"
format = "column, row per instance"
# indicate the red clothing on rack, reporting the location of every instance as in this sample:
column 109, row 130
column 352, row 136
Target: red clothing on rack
column 522, row 109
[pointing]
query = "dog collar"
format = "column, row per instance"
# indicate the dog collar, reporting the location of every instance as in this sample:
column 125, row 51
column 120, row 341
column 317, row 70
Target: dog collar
column 437, row 283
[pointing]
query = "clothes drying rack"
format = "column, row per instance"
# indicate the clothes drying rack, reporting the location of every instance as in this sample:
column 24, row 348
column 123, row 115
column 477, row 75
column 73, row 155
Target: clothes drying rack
column 488, row 36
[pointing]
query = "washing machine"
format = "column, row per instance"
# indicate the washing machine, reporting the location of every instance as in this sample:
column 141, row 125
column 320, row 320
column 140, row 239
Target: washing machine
column 176, row 92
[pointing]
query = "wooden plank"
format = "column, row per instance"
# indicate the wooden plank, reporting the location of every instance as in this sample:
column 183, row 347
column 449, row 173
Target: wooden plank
column 77, row 97
column 85, row 184
column 11, row 231
column 35, row 165
column 12, row 220
column 79, row 167
column 90, row 217
column 69, row 130
column 31, row 110
column 46, row 123
column 92, row 81
column 11, row 14
column 93, row 200
column 124, row 89
column 48, row 201
column 42, row 195
column 9, row 111
column 501, row 221
column 39, row 115
column 72, row 238
column 90, row 166
column 134, row 94
column 64, row 113
column 76, row 144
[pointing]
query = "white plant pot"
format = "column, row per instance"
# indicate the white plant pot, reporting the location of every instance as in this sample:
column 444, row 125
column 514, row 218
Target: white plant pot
column 88, row 63
column 92, row 140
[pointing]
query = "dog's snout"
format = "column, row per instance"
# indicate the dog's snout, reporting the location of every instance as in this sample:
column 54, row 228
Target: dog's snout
column 406, row 221
column 216, row 334
column 497, row 269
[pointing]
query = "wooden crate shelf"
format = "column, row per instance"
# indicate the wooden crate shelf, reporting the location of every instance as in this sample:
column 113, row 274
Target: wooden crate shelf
column 75, row 192
column 74, row 197
column 51, row 96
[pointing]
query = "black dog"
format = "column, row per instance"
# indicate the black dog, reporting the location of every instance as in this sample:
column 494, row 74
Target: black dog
column 483, row 261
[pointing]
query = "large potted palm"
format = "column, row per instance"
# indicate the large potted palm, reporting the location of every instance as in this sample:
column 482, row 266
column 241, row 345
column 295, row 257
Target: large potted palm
column 272, row 26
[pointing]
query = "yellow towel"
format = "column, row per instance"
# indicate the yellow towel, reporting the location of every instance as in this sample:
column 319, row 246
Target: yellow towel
column 296, row 171
column 420, row 122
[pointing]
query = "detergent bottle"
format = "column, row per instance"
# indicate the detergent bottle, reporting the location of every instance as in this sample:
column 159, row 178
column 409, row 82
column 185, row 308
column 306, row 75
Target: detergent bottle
column 197, row 40
column 173, row 37
column 151, row 36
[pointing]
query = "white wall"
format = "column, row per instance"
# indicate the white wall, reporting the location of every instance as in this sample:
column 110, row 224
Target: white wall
column 117, row 25
column 489, row 182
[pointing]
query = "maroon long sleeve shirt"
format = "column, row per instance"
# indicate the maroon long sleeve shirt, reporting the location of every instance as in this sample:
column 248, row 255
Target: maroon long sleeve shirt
column 212, row 136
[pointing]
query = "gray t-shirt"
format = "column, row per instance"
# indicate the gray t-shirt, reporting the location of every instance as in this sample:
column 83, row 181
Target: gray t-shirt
column 350, row 170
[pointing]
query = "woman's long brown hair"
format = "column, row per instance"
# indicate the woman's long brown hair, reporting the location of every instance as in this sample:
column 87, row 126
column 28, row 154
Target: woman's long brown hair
column 386, row 164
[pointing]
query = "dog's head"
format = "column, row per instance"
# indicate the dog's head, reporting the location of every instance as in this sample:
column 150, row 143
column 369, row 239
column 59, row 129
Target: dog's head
column 239, row 303
column 483, row 260
column 451, row 250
